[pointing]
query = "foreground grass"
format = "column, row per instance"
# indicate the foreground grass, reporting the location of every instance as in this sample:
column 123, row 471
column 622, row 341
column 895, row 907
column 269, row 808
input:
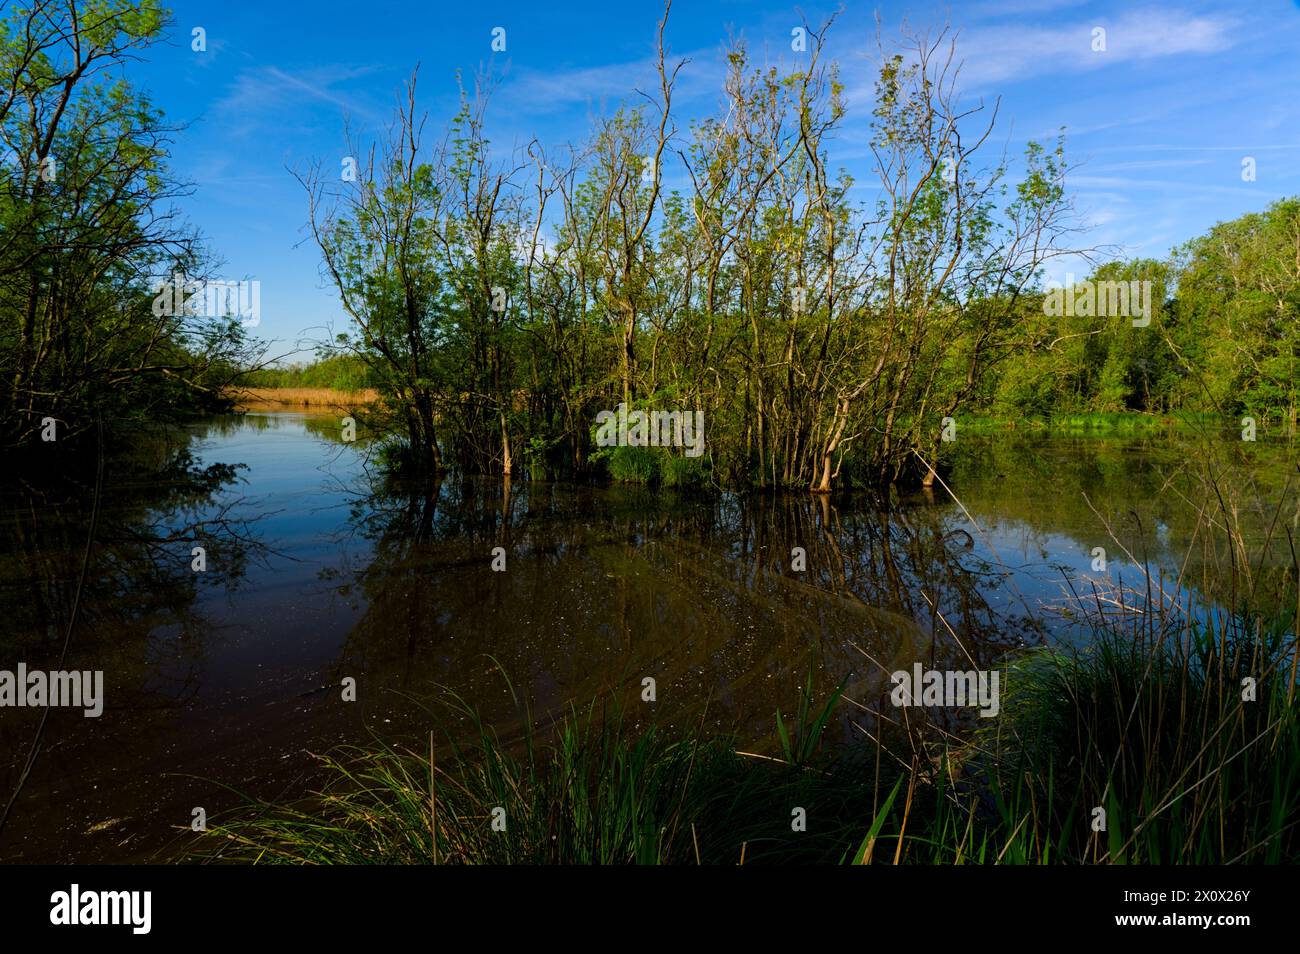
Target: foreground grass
column 595, row 792
column 1149, row 727
column 1184, row 742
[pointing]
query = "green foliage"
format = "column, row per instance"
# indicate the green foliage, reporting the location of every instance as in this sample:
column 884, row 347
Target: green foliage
column 819, row 338
column 1161, row 737
column 634, row 465
column 659, row 466
column 83, row 215
column 1224, row 336
column 800, row 750
column 677, row 470
column 339, row 372
column 498, row 307
column 1239, row 300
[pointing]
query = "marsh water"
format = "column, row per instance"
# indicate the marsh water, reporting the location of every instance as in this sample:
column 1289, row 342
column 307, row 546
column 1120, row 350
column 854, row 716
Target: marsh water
column 222, row 681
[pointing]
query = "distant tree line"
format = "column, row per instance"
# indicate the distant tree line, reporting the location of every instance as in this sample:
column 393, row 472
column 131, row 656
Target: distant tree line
column 340, row 372
column 1223, row 337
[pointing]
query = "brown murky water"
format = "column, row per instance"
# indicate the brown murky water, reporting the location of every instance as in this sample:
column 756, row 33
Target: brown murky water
column 220, row 684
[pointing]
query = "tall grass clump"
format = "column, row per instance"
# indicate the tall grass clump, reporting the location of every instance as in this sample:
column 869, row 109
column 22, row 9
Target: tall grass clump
column 1187, row 741
column 595, row 790
column 633, row 465
column 677, row 470
column 1157, row 729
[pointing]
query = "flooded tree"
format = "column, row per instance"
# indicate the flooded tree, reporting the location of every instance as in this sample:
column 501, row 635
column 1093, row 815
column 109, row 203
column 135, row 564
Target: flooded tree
column 822, row 339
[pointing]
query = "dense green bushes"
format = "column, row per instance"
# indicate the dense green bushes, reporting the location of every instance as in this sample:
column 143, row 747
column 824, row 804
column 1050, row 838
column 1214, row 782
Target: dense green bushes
column 337, row 372
column 1223, row 338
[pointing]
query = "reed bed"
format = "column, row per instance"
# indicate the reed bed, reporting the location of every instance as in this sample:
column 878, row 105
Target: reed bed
column 304, row 397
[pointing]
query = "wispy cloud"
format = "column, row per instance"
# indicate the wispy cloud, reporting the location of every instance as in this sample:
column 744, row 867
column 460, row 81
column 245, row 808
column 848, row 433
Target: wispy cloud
column 1007, row 52
column 269, row 91
column 534, row 90
column 1017, row 8
column 1139, row 164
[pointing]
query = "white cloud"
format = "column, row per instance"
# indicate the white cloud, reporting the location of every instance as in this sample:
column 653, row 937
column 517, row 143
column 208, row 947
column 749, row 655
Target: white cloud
column 269, row 91
column 548, row 91
column 1003, row 53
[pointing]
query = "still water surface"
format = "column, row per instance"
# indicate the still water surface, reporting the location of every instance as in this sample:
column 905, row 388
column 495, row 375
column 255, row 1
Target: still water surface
column 222, row 683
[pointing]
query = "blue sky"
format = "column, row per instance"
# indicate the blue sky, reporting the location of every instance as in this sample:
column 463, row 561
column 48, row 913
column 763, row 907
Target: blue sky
column 1160, row 121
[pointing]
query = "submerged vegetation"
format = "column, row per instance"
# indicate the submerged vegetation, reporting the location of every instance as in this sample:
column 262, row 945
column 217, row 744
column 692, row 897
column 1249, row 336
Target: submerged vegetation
column 1131, row 752
column 1157, row 726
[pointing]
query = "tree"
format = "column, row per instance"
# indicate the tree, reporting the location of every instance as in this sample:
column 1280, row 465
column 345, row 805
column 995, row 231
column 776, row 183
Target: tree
column 83, row 221
column 1238, row 311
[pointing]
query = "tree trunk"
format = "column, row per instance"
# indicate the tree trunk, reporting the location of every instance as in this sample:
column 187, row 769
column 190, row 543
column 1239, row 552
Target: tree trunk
column 822, row 485
column 506, row 462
